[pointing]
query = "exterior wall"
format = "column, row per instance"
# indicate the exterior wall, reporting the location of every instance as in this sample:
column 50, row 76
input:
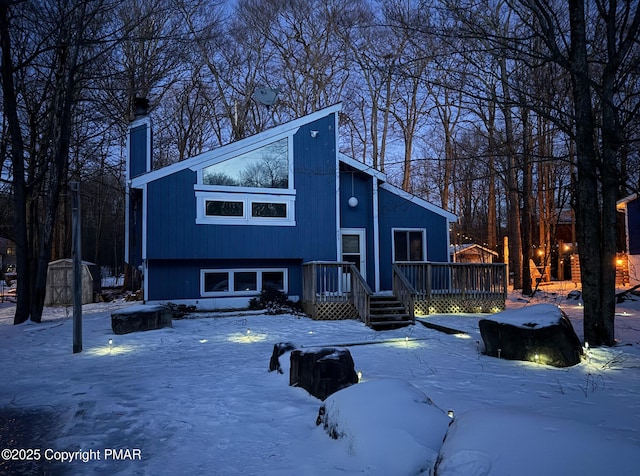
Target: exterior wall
column 633, row 220
column 139, row 146
column 360, row 216
column 395, row 212
column 172, row 232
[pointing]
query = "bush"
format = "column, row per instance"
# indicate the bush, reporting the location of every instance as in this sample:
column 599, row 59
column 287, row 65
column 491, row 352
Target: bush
column 274, row 301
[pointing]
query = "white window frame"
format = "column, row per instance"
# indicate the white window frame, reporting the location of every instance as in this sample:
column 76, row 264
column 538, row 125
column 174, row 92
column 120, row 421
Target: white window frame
column 231, row 275
column 393, row 243
column 247, row 195
column 247, row 200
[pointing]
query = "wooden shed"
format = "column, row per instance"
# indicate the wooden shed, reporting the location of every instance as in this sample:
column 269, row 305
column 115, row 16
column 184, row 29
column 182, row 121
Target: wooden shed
column 472, row 253
column 60, row 283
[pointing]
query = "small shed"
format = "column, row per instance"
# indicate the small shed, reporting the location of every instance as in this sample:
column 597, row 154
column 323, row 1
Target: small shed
column 472, row 253
column 60, row 282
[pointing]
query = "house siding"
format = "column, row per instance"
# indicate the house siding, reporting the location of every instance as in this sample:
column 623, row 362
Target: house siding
column 177, row 247
column 633, row 214
column 138, row 150
column 360, row 216
column 396, row 212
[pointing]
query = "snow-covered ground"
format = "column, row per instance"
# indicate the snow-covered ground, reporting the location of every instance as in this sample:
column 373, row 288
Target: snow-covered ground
column 198, row 399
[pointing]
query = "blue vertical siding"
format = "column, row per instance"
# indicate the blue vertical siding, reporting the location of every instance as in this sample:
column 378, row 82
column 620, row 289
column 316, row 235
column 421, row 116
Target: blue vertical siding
column 359, row 185
column 396, row 212
column 137, row 151
column 633, row 216
column 178, row 248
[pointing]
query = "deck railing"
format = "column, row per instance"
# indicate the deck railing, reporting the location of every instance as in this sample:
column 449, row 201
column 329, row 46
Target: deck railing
column 331, row 287
column 466, row 286
column 404, row 291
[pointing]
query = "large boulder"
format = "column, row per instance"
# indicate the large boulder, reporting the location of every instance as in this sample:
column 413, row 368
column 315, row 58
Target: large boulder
column 322, row 372
column 540, row 333
column 140, row 318
column 386, row 426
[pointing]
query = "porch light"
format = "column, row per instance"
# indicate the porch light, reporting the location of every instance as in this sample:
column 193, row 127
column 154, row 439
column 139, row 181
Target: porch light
column 353, row 202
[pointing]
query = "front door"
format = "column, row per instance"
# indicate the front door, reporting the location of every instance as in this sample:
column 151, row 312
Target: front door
column 353, row 251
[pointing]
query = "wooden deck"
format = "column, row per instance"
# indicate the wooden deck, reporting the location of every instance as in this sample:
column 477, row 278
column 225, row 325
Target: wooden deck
column 336, row 290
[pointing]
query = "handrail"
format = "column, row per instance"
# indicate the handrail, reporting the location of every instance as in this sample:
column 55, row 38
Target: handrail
column 361, row 294
column 404, row 291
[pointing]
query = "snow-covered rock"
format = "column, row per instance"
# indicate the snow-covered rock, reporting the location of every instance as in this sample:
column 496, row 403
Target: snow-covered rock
column 389, row 425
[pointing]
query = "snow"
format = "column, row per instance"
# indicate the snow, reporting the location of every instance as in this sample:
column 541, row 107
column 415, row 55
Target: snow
column 198, row 398
column 536, row 315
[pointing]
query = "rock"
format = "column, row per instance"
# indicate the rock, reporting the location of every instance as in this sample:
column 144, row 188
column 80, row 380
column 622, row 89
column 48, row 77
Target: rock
column 540, row 333
column 140, row 318
column 279, row 349
column 322, row 372
column 376, row 419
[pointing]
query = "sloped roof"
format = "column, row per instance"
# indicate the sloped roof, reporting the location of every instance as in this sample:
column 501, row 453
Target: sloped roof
column 466, row 247
column 234, row 148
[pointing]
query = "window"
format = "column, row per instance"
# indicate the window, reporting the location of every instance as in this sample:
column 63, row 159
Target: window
column 241, row 282
column 244, row 209
column 220, row 208
column 252, row 188
column 409, row 245
column 266, row 167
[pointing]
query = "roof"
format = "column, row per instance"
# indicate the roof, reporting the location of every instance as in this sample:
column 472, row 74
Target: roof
column 462, row 248
column 622, row 203
column 234, row 148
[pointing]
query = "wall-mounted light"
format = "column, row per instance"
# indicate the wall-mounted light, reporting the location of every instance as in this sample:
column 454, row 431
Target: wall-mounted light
column 314, row 134
column 353, row 202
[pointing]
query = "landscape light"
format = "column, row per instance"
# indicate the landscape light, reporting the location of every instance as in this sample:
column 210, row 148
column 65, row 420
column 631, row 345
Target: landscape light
column 359, row 376
column 450, row 414
column 536, row 358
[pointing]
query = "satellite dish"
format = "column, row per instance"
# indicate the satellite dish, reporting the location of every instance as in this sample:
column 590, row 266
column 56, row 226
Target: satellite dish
column 266, row 96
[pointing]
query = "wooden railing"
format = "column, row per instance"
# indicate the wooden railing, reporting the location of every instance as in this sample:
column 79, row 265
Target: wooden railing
column 461, row 280
column 335, row 282
column 404, row 291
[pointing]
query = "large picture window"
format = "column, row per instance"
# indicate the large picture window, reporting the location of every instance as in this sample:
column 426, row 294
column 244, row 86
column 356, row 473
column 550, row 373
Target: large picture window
column 241, row 282
column 409, row 245
column 266, row 167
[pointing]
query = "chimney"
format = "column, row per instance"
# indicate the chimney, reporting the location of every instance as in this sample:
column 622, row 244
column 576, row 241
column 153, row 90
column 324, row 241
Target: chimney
column 139, row 141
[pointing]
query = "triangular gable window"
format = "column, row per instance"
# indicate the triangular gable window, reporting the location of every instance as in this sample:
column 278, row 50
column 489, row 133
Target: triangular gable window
column 265, row 167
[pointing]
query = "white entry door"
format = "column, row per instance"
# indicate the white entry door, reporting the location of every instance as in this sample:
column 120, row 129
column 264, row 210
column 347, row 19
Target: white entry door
column 353, row 251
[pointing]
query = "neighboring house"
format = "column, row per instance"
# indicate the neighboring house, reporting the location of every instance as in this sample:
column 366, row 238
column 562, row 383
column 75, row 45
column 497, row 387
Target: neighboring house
column 472, row 253
column 7, row 256
column 282, row 208
column 630, row 206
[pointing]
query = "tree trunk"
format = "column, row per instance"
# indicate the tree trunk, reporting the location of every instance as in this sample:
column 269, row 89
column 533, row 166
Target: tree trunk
column 588, row 211
column 19, row 185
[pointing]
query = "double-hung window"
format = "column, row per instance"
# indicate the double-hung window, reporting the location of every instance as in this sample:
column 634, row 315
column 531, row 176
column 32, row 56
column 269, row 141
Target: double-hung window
column 409, row 245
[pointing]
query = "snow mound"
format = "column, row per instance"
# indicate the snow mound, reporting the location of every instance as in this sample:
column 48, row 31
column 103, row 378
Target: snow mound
column 389, row 425
column 501, row 441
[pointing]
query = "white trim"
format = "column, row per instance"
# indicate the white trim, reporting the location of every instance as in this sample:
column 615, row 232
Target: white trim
column 231, row 272
column 376, row 235
column 144, row 222
column 127, row 224
column 246, row 200
column 289, row 128
column 393, row 243
column 419, row 201
column 362, row 248
column 362, row 167
column 145, row 280
column 337, row 193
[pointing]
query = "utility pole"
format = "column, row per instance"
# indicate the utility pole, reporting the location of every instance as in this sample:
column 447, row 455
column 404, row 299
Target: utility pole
column 76, row 248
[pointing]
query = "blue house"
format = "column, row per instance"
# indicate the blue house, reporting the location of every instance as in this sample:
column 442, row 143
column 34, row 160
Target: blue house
column 282, row 209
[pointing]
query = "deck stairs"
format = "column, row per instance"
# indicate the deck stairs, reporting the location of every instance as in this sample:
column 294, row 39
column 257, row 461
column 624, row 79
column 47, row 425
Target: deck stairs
column 386, row 312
